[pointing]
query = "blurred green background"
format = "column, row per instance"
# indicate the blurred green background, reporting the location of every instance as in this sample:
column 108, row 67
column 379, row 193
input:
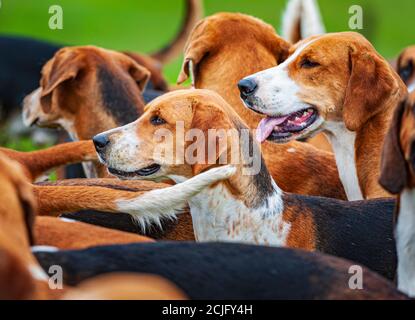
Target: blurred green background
column 146, row 25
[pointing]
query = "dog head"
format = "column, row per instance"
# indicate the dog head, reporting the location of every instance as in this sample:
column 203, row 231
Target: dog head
column 215, row 39
column 406, row 67
column 180, row 134
column 330, row 78
column 87, row 90
column 398, row 157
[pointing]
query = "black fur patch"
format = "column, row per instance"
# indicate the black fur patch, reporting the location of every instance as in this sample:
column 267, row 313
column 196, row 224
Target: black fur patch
column 262, row 180
column 360, row 231
column 118, row 102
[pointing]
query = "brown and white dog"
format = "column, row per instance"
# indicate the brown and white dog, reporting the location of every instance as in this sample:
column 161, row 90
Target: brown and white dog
column 398, row 177
column 405, row 67
column 21, row 276
column 86, row 90
column 249, row 206
column 339, row 84
column 242, row 45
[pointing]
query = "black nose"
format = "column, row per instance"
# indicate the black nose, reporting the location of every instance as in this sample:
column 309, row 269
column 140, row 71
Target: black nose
column 100, row 142
column 247, row 86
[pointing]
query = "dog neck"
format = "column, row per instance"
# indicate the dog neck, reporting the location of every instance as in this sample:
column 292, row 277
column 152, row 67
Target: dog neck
column 405, row 242
column 343, row 143
column 230, row 210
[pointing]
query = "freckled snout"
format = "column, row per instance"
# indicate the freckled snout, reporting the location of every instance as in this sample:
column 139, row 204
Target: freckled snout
column 101, row 142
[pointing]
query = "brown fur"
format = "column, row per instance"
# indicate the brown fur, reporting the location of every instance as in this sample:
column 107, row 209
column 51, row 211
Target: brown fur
column 77, row 101
column 406, row 57
column 16, row 282
column 56, row 198
column 64, row 235
column 37, row 163
column 124, row 286
column 242, row 45
column 398, row 169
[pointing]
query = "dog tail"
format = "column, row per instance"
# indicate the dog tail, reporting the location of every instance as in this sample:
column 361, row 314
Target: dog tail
column 301, row 19
column 165, row 203
column 194, row 12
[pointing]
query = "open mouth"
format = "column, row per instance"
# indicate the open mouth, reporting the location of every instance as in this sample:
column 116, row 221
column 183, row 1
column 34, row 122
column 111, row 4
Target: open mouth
column 285, row 127
column 147, row 171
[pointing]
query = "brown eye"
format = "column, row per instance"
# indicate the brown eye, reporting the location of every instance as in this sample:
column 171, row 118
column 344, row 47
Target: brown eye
column 308, row 64
column 156, row 120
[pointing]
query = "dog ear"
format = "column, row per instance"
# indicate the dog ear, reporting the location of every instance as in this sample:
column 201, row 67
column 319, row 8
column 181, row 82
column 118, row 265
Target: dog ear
column 140, row 74
column 394, row 172
column 197, row 47
column 215, row 126
column 372, row 83
column 280, row 48
column 65, row 66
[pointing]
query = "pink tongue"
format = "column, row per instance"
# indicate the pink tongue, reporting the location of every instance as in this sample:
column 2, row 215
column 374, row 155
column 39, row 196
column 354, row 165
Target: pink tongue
column 266, row 126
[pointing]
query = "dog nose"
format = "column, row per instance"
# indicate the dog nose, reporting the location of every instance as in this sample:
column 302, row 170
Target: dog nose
column 247, row 86
column 100, row 142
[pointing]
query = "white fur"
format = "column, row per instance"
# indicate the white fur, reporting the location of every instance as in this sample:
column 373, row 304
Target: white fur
column 305, row 11
column 312, row 23
column 31, row 107
column 405, row 243
column 44, row 249
column 164, row 203
column 38, row 273
column 411, row 87
column 67, row 220
column 343, row 143
column 218, row 216
column 125, row 148
column 277, row 92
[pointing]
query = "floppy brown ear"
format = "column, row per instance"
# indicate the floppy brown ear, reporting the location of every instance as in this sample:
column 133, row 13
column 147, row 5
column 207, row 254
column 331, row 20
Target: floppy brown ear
column 193, row 56
column 208, row 118
column 281, row 49
column 371, row 84
column 65, row 66
column 394, row 172
column 140, row 74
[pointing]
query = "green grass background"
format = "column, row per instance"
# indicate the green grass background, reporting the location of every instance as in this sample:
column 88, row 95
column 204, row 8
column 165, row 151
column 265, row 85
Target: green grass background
column 146, row 25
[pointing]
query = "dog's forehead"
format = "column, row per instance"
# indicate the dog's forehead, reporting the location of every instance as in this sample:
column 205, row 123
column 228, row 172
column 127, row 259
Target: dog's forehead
column 329, row 43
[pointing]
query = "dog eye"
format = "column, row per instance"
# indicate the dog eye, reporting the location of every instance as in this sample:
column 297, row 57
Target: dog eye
column 406, row 72
column 156, row 121
column 308, row 64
